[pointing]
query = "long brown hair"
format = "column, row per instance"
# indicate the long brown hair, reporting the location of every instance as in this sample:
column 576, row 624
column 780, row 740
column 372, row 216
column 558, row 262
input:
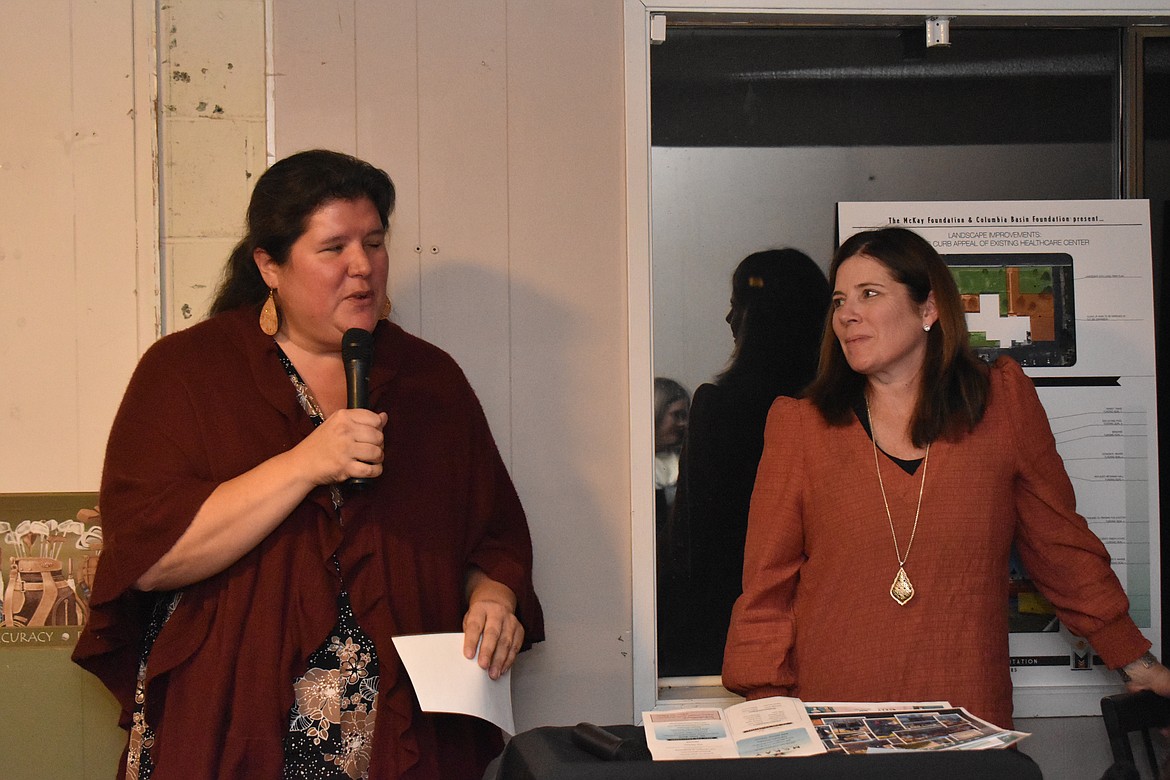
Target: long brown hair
column 954, row 382
column 284, row 198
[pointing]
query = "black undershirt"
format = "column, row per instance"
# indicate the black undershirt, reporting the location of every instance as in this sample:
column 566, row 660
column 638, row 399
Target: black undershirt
column 909, row 466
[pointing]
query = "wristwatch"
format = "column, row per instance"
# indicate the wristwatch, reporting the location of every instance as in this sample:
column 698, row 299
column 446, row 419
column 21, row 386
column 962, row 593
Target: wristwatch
column 1147, row 659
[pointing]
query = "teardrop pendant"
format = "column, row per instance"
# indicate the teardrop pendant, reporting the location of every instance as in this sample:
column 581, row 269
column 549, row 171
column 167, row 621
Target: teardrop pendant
column 901, row 590
column 270, row 315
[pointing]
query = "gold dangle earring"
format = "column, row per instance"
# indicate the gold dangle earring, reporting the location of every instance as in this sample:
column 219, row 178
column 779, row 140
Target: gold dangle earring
column 387, row 308
column 269, row 315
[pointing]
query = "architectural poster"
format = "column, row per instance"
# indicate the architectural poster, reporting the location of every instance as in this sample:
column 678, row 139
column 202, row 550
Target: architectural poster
column 1065, row 288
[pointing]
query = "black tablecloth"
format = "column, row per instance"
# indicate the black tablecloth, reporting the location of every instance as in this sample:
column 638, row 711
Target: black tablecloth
column 550, row 752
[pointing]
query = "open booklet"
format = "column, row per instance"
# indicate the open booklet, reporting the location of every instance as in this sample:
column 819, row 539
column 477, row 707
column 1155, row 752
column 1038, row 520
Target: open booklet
column 784, row 726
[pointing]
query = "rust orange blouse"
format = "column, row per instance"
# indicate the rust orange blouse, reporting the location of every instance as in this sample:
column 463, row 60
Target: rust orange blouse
column 816, row 619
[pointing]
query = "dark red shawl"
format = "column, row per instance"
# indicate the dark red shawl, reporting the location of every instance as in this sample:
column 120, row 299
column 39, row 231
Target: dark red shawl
column 211, row 402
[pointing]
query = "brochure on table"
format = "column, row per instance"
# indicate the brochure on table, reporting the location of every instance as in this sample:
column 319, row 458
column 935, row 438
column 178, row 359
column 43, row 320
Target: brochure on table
column 785, row 726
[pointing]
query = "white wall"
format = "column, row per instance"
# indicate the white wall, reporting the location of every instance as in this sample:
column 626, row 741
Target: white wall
column 70, row 152
column 501, row 124
column 212, row 102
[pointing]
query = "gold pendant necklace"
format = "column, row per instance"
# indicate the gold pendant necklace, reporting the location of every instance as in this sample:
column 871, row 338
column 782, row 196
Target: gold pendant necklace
column 901, row 589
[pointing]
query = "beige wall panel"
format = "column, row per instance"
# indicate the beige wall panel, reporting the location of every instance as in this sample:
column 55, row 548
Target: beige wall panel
column 38, row 402
column 314, row 80
column 106, row 183
column 38, row 351
column 195, row 267
column 388, row 134
column 211, row 58
column 317, row 105
column 463, row 195
column 208, row 171
column 506, row 149
column 66, row 238
column 36, row 72
column 571, row 422
column 214, row 135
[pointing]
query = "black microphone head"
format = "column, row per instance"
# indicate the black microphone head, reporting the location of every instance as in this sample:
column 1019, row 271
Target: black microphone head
column 357, row 344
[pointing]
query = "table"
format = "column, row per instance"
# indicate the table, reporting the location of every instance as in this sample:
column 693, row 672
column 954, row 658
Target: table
column 550, row 752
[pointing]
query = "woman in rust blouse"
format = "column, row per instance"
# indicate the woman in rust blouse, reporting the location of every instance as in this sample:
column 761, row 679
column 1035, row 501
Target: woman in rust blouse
column 887, row 503
column 246, row 598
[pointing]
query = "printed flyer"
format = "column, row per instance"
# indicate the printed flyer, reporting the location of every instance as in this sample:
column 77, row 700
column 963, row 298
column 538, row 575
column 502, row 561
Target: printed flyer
column 779, row 726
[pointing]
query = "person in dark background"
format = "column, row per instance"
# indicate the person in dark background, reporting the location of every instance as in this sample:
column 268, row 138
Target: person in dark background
column 779, row 298
column 672, row 405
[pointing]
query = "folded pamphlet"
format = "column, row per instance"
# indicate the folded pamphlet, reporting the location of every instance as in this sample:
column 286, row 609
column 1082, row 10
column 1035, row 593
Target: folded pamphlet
column 786, row 726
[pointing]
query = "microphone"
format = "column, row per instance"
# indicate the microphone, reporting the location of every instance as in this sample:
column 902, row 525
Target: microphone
column 357, row 348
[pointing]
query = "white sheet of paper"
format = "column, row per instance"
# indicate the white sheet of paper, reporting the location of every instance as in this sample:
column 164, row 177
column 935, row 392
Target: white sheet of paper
column 445, row 681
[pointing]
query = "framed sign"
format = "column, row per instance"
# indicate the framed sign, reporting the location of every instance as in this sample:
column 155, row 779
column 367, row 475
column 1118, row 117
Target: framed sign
column 49, row 548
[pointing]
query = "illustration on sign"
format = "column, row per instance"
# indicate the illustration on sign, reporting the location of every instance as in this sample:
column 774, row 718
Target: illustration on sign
column 1019, row 305
column 49, row 548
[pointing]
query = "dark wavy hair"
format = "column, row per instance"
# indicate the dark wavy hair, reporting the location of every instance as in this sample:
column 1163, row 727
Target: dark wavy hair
column 284, row 198
column 778, row 302
column 666, row 392
column 954, row 382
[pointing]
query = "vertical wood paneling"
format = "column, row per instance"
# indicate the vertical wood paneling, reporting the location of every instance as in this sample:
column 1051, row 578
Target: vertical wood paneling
column 429, row 107
column 67, row 228
column 38, row 351
column 502, row 125
column 388, row 135
column 463, row 195
column 568, row 360
column 314, row 91
column 105, row 182
column 212, row 99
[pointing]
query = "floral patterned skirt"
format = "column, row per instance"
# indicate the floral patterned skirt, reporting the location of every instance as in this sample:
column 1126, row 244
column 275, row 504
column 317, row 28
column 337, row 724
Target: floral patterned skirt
column 331, row 725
